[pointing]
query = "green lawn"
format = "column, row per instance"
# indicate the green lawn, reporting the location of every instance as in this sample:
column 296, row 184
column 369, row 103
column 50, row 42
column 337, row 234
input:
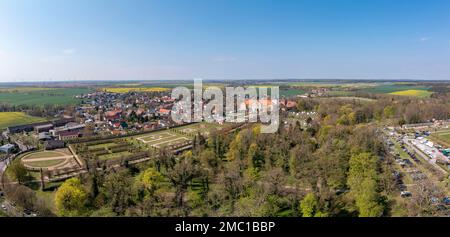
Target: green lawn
column 45, row 163
column 115, row 155
column 159, row 137
column 43, row 96
column 8, row 119
column 103, row 145
column 203, row 127
column 442, row 137
column 43, row 154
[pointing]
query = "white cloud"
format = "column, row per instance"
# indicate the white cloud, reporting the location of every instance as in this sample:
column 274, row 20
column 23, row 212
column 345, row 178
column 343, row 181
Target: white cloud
column 424, row 39
column 68, row 51
column 224, row 59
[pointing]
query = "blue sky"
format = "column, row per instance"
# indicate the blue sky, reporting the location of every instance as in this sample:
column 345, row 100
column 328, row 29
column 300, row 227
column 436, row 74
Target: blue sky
column 224, row 39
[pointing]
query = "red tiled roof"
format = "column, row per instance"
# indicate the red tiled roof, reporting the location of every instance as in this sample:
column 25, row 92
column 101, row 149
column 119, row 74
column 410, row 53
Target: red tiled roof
column 164, row 111
column 112, row 113
column 291, row 104
column 265, row 102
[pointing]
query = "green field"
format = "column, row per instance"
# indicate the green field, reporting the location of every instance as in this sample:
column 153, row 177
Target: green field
column 445, row 137
column 122, row 90
column 350, row 98
column 348, row 85
column 41, row 96
column 24, row 89
column 289, row 92
column 8, row 119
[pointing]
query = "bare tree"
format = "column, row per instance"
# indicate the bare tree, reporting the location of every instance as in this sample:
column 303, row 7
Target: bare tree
column 426, row 196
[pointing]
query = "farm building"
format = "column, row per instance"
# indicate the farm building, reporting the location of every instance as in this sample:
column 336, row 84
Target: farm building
column 417, row 125
column 67, row 135
column 44, row 136
column 25, row 128
column 51, row 145
column 63, row 122
column 164, row 111
column 39, row 127
column 43, row 128
column 70, row 127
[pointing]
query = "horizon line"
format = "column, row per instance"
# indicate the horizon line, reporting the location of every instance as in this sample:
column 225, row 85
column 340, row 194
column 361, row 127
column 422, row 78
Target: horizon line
column 224, row 79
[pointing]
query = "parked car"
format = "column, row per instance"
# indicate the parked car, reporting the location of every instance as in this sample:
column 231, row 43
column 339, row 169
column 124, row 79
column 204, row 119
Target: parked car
column 27, row 212
column 441, row 207
column 402, row 187
column 405, row 194
column 407, row 162
column 446, row 200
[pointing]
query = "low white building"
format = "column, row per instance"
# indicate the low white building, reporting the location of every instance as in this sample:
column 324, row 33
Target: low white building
column 7, row 148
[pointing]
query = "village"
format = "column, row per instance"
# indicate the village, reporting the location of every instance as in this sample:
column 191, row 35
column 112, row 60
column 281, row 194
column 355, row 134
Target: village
column 103, row 114
column 110, row 124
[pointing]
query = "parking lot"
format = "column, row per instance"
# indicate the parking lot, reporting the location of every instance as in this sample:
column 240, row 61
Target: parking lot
column 427, row 151
column 412, row 165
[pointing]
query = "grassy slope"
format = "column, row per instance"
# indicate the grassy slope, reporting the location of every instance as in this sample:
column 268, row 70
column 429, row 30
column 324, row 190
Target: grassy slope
column 8, row 119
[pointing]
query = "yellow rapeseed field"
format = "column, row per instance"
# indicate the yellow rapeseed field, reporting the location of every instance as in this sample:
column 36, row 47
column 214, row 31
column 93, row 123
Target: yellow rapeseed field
column 415, row 93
